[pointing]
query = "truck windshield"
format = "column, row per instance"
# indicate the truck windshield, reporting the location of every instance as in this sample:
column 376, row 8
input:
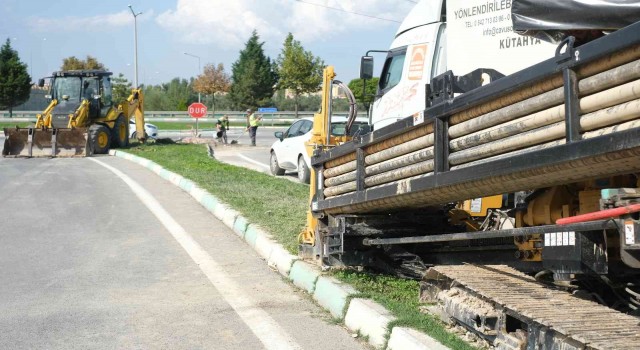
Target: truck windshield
column 67, row 88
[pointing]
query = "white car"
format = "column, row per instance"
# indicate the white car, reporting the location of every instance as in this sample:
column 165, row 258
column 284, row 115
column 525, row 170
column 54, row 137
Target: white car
column 150, row 129
column 289, row 153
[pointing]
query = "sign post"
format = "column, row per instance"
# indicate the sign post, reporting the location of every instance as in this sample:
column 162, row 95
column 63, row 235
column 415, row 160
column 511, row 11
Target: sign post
column 271, row 110
column 197, row 110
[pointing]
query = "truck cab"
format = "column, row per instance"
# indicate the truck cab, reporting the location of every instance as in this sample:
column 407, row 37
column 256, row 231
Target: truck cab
column 462, row 36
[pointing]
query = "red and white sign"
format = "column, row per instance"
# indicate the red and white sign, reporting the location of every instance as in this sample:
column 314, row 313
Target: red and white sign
column 197, row 110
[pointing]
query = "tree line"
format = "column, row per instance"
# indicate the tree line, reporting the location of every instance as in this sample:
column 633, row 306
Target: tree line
column 255, row 81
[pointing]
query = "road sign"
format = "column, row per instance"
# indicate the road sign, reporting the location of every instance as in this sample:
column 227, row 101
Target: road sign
column 267, row 110
column 197, row 110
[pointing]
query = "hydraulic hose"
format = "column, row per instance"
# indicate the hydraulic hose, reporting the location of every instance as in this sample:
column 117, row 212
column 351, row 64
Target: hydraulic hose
column 600, row 215
column 353, row 107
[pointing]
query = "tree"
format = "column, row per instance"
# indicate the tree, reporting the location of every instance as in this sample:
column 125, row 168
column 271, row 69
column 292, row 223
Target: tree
column 15, row 82
column 298, row 70
column 121, row 88
column 73, row 63
column 212, row 80
column 252, row 76
column 355, row 86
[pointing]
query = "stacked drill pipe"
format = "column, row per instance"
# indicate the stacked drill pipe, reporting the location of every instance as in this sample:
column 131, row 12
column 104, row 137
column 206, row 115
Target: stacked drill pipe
column 527, row 120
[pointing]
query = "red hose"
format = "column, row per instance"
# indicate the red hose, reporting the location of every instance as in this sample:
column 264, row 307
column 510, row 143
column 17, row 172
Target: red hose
column 600, row 215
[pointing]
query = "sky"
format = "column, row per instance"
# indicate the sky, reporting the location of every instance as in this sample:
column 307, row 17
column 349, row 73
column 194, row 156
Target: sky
column 45, row 32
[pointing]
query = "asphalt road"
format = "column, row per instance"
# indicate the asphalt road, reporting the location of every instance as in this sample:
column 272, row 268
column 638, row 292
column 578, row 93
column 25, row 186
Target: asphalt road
column 91, row 259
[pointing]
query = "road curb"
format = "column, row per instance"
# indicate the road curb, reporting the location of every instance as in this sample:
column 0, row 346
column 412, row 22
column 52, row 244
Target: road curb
column 369, row 319
column 406, row 338
column 361, row 315
column 240, row 226
column 281, row 260
column 333, row 295
column 304, row 275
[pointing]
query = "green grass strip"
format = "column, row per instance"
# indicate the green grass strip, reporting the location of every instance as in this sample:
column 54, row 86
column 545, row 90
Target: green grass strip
column 278, row 205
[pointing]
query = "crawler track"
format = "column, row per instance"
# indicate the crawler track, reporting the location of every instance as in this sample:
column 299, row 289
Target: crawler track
column 514, row 311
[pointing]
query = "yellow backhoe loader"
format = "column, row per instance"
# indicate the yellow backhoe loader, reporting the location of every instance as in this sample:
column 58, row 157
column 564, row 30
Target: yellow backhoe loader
column 80, row 120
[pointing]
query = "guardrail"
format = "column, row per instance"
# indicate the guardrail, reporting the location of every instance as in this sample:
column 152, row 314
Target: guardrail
column 276, row 118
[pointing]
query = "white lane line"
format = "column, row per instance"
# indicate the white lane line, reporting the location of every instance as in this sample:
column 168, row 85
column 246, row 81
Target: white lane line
column 261, row 324
column 253, row 161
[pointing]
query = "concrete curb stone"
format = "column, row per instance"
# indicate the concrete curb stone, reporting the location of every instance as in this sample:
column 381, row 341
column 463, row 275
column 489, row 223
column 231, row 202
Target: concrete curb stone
column 362, row 315
column 370, row 319
column 333, row 295
column 251, row 235
column 210, row 202
column 406, row 338
column 240, row 226
column 228, row 216
column 304, row 275
column 281, row 260
column 264, row 245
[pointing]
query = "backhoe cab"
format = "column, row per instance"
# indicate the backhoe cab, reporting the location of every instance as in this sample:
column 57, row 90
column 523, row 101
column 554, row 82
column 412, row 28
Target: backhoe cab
column 81, row 119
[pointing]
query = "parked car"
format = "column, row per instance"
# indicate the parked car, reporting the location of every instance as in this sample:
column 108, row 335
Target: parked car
column 150, row 129
column 288, row 153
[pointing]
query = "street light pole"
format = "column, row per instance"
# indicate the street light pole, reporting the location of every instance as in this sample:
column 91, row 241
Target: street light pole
column 198, row 57
column 135, row 41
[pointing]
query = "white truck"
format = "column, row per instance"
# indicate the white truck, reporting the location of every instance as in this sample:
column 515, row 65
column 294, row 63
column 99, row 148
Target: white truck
column 441, row 35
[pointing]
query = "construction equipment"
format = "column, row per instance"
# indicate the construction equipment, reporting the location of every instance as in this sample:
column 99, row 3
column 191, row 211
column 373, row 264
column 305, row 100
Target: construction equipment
column 80, row 120
column 497, row 173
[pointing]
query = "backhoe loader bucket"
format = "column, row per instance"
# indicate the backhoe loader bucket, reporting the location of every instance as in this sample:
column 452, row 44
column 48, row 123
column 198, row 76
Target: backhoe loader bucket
column 32, row 142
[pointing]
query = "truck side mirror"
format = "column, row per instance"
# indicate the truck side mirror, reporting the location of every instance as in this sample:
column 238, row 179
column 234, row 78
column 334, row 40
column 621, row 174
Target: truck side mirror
column 366, row 67
column 41, row 83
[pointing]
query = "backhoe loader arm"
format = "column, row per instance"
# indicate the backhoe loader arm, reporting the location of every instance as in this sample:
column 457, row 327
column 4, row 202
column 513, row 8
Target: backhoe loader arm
column 80, row 117
column 135, row 106
column 44, row 118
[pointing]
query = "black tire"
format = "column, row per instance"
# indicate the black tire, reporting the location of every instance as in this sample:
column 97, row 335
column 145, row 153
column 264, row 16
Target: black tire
column 120, row 133
column 273, row 165
column 99, row 138
column 303, row 171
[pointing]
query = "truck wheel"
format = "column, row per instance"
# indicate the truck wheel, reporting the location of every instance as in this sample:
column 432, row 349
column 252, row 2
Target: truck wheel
column 273, row 162
column 120, row 133
column 99, row 138
column 303, row 171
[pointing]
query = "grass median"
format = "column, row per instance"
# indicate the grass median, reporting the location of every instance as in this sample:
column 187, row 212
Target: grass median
column 279, row 206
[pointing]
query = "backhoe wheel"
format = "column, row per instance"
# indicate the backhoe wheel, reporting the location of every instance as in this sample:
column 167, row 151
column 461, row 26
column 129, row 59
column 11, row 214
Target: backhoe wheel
column 120, row 133
column 99, row 138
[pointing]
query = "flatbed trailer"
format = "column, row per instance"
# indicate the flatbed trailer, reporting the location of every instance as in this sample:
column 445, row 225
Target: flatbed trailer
column 403, row 197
